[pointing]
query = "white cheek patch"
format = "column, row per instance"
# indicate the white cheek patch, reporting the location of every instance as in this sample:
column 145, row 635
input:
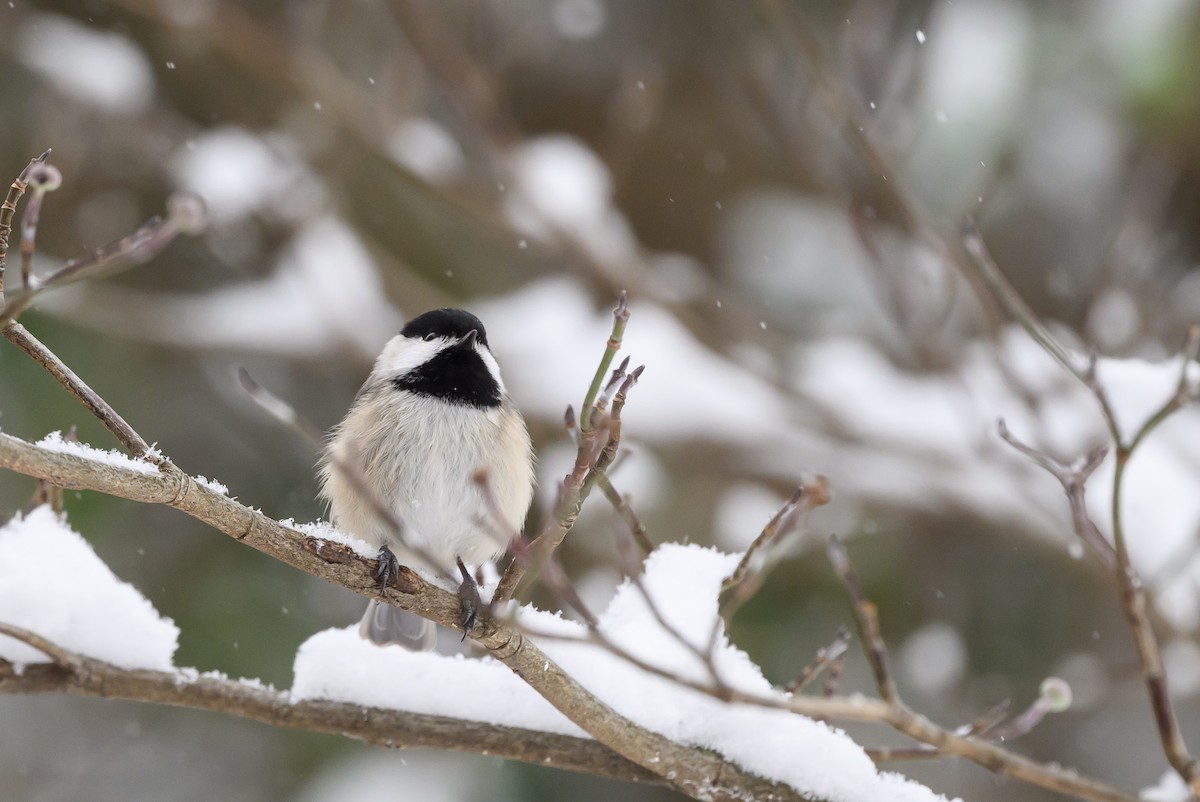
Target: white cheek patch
column 403, row 354
column 492, row 366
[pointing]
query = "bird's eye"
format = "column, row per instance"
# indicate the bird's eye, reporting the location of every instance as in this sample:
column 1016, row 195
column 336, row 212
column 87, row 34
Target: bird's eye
column 428, row 337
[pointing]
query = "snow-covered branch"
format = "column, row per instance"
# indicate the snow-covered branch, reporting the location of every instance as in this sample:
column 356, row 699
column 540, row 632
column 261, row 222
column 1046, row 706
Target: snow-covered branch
column 79, row 675
column 693, row 770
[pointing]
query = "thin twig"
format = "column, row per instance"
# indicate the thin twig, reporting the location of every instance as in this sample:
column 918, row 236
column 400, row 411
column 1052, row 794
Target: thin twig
column 133, row 442
column 185, row 215
column 866, row 616
column 988, row 721
column 1054, row 697
column 1073, row 479
column 63, row 657
column 706, row 655
column 43, row 178
column 619, row 502
column 589, row 467
column 1011, row 302
column 833, row 676
column 811, row 493
column 825, row 656
column 9, row 207
column 620, row 319
column 895, row 754
column 637, row 530
column 493, row 522
column 1134, row 603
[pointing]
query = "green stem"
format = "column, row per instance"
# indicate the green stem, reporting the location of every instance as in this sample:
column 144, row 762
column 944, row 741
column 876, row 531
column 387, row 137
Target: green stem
column 620, row 318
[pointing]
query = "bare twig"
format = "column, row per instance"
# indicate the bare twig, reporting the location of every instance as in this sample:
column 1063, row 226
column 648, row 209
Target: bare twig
column 185, row 215
column 895, row 754
column 1073, row 479
column 988, row 721
column 133, row 442
column 614, row 382
column 619, row 502
column 1054, row 697
column 63, row 657
column 493, row 522
column 9, row 207
column 997, row 285
column 590, row 466
column 811, row 493
column 866, row 616
column 826, row 656
column 620, row 319
column 637, row 530
column 1134, row 603
column 42, row 179
column 833, row 676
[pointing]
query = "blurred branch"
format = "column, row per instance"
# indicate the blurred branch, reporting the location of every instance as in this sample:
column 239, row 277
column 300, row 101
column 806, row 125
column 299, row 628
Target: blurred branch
column 866, row 616
column 396, row 729
column 1073, row 479
column 785, row 21
column 1134, row 603
column 637, row 530
column 967, row 743
column 826, row 656
column 984, row 267
column 9, row 208
column 43, row 178
column 186, row 215
column 746, row 578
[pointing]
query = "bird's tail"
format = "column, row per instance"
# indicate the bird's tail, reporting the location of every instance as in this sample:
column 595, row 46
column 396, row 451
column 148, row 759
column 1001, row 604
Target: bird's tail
column 383, row 624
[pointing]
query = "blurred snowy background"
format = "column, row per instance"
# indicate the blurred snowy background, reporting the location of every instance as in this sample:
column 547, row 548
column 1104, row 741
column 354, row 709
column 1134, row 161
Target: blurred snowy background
column 364, row 162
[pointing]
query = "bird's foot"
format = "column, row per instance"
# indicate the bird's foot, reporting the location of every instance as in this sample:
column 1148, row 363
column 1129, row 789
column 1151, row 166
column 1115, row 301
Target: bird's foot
column 468, row 594
column 388, row 568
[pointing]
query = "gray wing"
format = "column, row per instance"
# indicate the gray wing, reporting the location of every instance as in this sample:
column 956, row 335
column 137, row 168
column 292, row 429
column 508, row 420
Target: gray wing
column 383, row 624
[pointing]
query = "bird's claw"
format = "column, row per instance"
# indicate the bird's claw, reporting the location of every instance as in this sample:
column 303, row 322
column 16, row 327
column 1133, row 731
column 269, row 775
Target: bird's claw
column 388, row 568
column 468, row 594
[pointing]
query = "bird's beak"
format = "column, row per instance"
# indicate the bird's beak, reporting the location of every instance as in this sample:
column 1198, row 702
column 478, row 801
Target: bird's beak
column 467, row 340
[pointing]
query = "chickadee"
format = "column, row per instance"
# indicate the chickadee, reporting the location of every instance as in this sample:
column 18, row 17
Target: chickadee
column 432, row 414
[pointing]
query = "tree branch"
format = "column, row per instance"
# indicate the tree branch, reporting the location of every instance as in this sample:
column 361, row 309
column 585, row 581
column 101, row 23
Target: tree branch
column 694, row 771
column 133, row 442
column 82, row 676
